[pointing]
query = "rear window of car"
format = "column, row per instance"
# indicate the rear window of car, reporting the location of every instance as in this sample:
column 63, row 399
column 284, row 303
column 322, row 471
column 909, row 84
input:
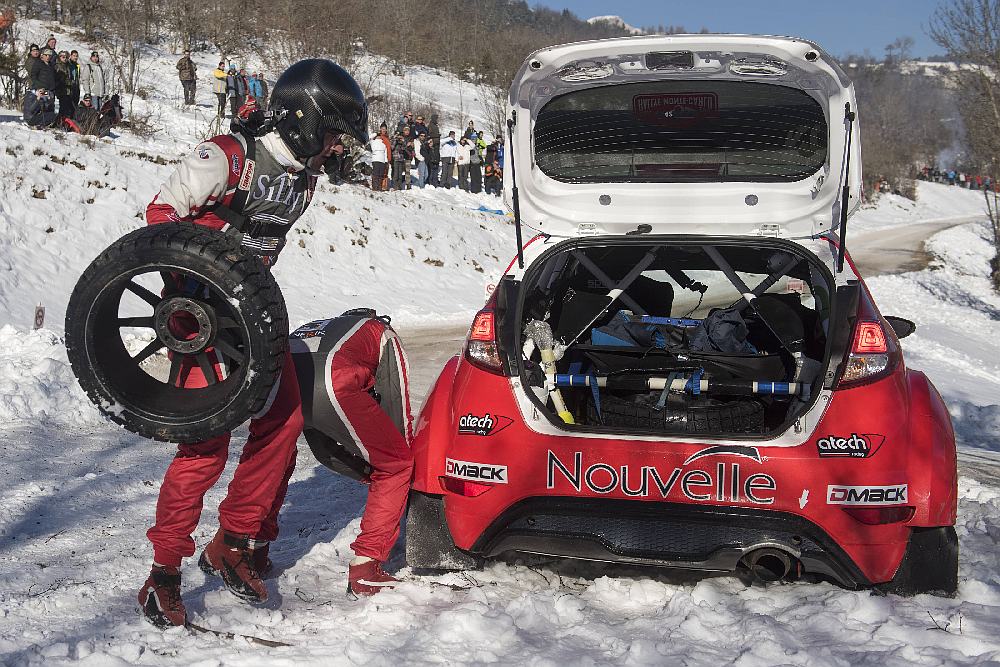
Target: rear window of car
column 681, row 131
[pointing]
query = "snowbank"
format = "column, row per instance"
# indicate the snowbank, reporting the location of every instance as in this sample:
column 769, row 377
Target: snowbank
column 37, row 383
column 935, row 203
column 958, row 326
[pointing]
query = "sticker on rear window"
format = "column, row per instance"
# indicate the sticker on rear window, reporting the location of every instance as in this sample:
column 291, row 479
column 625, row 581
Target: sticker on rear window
column 676, row 110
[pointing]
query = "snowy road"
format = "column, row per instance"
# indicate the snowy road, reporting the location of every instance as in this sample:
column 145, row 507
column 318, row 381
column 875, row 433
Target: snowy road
column 898, row 249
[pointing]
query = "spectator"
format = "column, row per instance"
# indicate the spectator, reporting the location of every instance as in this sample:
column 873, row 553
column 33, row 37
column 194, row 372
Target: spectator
column 219, row 87
column 402, row 158
column 43, row 76
column 480, row 145
column 470, row 131
column 433, row 131
column 337, row 165
column 475, row 169
column 462, row 160
column 449, row 151
column 236, row 90
column 381, row 150
column 39, row 109
column 418, row 155
column 263, row 90
column 405, row 120
column 419, row 127
column 86, row 116
column 187, row 73
column 50, row 43
column 492, row 178
column 432, row 158
column 491, row 153
column 97, row 122
column 29, row 60
column 62, row 89
column 92, row 79
column 500, row 153
column 255, row 89
column 74, row 72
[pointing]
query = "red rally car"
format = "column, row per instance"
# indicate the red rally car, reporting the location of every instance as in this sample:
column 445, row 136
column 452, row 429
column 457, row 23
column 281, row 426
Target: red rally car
column 684, row 368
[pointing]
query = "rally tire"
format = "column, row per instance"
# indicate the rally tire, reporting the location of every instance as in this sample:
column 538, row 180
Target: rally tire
column 153, row 408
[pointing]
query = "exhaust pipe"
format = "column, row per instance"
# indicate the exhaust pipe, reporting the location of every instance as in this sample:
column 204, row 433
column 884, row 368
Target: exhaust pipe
column 769, row 565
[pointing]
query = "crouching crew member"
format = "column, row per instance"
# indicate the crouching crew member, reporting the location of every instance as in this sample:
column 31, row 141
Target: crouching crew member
column 232, row 183
column 358, row 422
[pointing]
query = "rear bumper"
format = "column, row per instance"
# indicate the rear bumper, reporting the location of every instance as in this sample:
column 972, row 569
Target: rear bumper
column 662, row 534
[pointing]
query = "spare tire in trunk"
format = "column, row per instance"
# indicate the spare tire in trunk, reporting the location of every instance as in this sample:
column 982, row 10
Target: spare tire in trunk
column 219, row 315
column 705, row 415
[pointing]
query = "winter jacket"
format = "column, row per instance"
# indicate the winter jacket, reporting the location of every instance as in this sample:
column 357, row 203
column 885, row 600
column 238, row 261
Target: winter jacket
column 418, row 151
column 480, row 146
column 380, row 148
column 92, row 79
column 449, row 149
column 218, row 81
column 236, row 85
column 62, row 72
column 463, row 154
column 186, row 69
column 417, row 128
column 253, row 85
column 74, row 78
column 500, row 156
column 470, row 134
column 402, row 149
column 263, row 88
column 38, row 112
column 431, row 153
column 43, row 77
column 432, row 128
column 280, row 191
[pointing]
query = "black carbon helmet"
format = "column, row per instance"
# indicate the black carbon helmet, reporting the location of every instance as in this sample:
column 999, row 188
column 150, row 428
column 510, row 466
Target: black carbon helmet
column 313, row 97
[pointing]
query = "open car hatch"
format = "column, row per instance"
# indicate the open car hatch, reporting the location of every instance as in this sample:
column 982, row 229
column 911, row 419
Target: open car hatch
column 730, row 135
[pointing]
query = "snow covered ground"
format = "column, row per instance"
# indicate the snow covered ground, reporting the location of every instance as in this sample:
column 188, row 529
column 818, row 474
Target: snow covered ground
column 78, row 493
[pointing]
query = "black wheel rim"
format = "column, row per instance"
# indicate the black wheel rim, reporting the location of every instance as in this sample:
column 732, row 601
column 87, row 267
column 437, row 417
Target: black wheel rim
column 194, row 335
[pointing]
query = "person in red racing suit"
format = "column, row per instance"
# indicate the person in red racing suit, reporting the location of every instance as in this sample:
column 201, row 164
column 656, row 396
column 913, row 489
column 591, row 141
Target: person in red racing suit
column 364, row 412
column 220, row 186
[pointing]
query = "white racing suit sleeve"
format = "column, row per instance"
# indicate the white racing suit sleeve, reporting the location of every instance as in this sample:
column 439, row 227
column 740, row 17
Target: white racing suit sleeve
column 200, row 180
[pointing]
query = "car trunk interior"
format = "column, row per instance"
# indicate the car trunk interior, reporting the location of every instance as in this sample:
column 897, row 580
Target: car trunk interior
column 664, row 335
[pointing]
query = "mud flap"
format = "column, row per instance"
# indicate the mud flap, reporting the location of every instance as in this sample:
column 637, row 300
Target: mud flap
column 930, row 564
column 429, row 545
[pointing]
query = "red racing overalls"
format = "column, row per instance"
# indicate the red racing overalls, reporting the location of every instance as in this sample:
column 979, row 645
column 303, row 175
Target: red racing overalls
column 277, row 189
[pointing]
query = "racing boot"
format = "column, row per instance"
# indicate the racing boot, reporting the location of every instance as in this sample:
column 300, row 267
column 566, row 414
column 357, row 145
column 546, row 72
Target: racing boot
column 368, row 578
column 261, row 562
column 229, row 555
column 160, row 598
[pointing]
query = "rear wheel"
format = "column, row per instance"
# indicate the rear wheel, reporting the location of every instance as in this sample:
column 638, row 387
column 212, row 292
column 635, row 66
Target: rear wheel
column 165, row 301
column 930, row 564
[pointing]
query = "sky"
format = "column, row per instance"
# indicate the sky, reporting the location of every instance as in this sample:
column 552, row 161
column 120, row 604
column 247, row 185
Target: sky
column 846, row 26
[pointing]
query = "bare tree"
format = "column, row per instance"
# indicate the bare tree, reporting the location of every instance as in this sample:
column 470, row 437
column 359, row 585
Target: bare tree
column 969, row 32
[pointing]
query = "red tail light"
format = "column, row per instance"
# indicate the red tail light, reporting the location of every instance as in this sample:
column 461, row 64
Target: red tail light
column 878, row 516
column 463, row 487
column 481, row 347
column 874, row 351
column 869, row 339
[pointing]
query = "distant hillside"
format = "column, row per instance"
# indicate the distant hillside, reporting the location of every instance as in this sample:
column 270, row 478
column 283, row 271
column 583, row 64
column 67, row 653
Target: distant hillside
column 617, row 22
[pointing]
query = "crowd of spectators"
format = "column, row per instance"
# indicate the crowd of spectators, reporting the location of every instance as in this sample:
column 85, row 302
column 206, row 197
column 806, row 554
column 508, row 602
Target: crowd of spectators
column 63, row 91
column 417, row 155
column 960, row 178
